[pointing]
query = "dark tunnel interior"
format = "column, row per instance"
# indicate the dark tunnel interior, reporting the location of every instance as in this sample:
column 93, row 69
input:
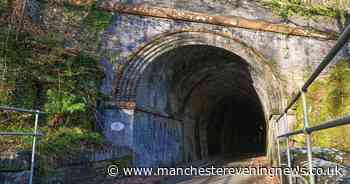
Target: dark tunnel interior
column 236, row 127
column 212, row 91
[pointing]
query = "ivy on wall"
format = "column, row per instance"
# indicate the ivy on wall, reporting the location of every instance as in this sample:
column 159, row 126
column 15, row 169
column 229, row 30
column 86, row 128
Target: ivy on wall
column 328, row 98
column 333, row 9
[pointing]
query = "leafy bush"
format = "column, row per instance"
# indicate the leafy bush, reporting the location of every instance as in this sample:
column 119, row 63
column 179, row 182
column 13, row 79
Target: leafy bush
column 63, row 102
column 68, row 140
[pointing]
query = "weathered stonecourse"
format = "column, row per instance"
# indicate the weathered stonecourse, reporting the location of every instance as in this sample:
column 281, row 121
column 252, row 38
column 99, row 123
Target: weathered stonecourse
column 186, row 83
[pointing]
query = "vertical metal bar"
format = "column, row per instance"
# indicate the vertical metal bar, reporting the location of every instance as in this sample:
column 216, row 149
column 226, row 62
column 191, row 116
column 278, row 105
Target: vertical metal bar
column 183, row 141
column 308, row 137
column 289, row 161
column 288, row 150
column 278, row 149
column 33, row 149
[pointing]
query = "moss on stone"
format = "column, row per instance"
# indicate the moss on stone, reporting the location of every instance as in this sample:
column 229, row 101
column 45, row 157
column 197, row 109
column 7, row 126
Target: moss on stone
column 328, row 98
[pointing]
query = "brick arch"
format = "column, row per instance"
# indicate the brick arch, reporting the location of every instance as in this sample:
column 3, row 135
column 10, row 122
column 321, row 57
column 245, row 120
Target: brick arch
column 131, row 72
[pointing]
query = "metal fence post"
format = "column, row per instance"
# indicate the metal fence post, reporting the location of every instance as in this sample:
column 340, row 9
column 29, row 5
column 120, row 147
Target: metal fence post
column 33, row 149
column 288, row 150
column 278, row 148
column 308, row 137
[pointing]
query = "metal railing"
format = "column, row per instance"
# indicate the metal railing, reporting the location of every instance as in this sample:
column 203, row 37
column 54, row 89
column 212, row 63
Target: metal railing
column 307, row 131
column 34, row 134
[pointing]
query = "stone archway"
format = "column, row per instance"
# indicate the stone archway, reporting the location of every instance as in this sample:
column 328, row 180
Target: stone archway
column 186, row 88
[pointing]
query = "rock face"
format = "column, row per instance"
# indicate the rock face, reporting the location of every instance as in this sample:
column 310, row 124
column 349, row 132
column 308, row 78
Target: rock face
column 175, row 75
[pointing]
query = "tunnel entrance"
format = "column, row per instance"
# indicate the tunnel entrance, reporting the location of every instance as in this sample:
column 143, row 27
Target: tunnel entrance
column 194, row 102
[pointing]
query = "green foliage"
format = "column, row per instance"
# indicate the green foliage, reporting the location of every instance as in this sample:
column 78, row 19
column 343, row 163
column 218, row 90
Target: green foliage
column 57, row 144
column 38, row 73
column 68, row 140
column 4, row 6
column 89, row 20
column 14, row 81
column 287, row 8
column 41, row 72
column 329, row 98
column 97, row 20
column 17, row 143
column 62, row 102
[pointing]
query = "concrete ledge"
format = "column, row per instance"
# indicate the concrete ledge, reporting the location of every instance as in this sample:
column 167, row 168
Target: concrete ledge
column 175, row 14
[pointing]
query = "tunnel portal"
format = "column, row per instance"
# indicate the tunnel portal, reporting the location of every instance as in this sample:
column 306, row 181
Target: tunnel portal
column 194, row 102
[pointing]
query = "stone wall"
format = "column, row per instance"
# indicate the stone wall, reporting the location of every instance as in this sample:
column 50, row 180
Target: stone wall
column 87, row 167
column 91, row 173
column 283, row 60
column 159, row 141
